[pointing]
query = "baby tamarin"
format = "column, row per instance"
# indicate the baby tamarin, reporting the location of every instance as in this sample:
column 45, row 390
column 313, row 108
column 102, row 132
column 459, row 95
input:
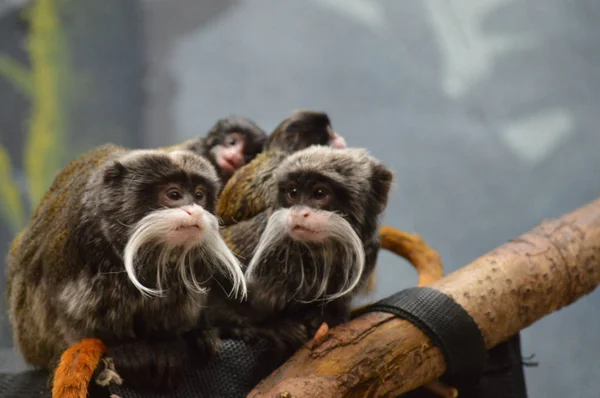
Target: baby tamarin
column 231, row 143
column 120, row 249
column 311, row 251
column 248, row 192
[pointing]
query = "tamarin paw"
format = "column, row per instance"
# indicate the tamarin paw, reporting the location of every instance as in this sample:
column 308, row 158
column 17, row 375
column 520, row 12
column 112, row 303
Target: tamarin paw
column 109, row 374
column 156, row 365
column 204, row 344
column 320, row 335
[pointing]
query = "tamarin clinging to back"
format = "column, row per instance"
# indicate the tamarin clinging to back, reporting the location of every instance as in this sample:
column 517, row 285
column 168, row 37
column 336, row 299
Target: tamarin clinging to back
column 247, row 193
column 120, row 249
column 308, row 254
column 231, row 143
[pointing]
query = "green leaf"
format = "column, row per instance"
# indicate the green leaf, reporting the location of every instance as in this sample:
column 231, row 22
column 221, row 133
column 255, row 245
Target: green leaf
column 49, row 56
column 12, row 210
column 17, row 74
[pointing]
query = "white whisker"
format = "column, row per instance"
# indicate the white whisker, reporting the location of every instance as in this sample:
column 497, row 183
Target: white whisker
column 340, row 252
column 211, row 251
column 274, row 233
column 226, row 262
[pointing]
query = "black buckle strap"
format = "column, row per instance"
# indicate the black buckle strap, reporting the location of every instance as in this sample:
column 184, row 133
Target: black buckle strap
column 449, row 327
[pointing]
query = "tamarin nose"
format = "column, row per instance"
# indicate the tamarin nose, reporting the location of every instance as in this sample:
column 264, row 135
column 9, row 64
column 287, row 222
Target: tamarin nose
column 193, row 210
column 306, row 214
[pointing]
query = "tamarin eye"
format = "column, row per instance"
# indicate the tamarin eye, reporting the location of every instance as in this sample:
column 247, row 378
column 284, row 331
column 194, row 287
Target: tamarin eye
column 292, row 193
column 230, row 140
column 321, row 193
column 174, row 195
column 199, row 195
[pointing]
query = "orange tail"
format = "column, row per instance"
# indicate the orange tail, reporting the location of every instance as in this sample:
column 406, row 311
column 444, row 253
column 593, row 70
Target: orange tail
column 426, row 260
column 76, row 368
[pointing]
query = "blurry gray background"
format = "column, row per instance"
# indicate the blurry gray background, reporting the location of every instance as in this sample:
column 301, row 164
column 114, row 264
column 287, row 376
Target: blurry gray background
column 487, row 110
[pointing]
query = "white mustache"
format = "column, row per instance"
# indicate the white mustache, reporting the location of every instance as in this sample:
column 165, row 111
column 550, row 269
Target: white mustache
column 212, row 250
column 340, row 231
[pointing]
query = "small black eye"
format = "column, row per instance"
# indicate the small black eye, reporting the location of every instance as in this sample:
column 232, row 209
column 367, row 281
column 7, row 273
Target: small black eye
column 231, row 140
column 199, row 195
column 319, row 193
column 174, row 195
column 292, row 193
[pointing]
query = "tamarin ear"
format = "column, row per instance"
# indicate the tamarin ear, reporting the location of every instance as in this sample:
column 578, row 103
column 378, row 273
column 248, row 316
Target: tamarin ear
column 381, row 182
column 211, row 141
column 114, row 172
column 216, row 131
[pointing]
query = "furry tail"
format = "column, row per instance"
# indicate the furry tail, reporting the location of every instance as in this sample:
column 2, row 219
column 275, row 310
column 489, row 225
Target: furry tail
column 76, row 368
column 426, row 260
column 412, row 247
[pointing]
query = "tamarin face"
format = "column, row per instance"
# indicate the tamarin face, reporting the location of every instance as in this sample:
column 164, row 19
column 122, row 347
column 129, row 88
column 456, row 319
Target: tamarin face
column 328, row 204
column 233, row 142
column 155, row 208
column 303, row 129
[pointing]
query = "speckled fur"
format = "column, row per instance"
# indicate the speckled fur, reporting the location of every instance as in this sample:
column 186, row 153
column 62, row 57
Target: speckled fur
column 65, row 270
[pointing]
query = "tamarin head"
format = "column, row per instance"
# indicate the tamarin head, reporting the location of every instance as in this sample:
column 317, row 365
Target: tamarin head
column 233, row 142
column 155, row 209
column 302, row 129
column 327, row 208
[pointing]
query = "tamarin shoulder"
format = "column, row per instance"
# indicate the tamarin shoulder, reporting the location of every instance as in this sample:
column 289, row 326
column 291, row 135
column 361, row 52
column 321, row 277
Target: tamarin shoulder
column 241, row 237
column 250, row 190
column 52, row 224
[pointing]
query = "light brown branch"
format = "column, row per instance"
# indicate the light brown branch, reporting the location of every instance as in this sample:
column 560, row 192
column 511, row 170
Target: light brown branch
column 506, row 290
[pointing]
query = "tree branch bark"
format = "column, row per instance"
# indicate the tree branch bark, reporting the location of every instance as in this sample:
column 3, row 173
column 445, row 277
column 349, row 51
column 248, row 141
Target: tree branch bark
column 506, row 290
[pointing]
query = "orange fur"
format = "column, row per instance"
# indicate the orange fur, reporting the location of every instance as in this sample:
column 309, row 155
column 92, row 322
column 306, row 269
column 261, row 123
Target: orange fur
column 76, row 367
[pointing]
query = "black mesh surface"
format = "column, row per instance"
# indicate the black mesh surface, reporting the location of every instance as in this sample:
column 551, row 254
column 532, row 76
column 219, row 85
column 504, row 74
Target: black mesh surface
column 24, row 384
column 236, row 370
column 239, row 368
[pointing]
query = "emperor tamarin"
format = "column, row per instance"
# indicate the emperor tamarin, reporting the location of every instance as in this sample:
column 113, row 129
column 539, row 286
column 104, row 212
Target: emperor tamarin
column 120, row 249
column 309, row 253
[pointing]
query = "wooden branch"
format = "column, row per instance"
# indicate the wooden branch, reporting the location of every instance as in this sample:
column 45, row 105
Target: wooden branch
column 505, row 291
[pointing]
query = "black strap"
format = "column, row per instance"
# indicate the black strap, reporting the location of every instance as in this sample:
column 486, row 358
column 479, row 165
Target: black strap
column 449, row 327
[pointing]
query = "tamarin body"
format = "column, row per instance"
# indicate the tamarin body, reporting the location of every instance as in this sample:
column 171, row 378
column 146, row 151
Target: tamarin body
column 311, row 250
column 119, row 250
column 248, row 192
column 231, row 143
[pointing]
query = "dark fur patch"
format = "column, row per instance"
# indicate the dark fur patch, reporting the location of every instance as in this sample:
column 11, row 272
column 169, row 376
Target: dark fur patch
column 298, row 131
